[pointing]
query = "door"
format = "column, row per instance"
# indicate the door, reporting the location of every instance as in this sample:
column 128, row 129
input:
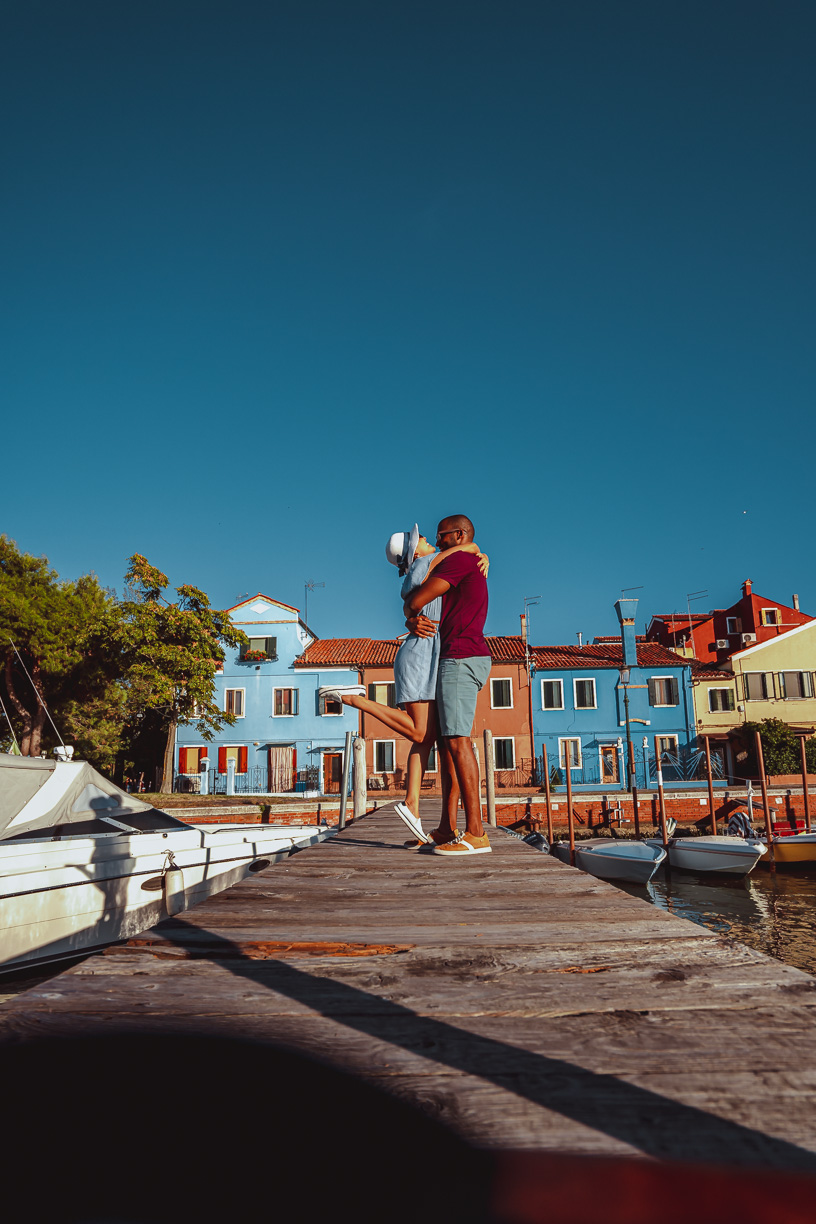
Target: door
column 281, row 769
column 610, row 771
column 332, row 772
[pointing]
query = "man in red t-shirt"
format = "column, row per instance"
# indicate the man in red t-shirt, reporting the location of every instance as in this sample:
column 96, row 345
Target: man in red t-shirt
column 464, row 666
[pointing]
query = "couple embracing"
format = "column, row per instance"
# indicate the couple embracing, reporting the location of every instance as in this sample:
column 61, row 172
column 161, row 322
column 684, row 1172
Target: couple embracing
column 439, row 669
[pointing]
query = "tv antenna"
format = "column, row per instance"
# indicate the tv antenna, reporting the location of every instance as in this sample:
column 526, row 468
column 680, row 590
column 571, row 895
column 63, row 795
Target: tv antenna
column 624, row 590
column 309, row 585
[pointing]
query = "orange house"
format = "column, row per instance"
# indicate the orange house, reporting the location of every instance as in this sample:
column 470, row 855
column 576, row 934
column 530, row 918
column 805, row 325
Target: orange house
column 503, row 707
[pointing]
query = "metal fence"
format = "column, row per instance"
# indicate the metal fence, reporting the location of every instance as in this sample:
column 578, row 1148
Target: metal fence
column 255, row 781
column 686, row 765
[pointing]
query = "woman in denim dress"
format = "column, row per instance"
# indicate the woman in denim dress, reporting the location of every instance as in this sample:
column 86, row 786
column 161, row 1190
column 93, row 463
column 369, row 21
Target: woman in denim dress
column 415, row 669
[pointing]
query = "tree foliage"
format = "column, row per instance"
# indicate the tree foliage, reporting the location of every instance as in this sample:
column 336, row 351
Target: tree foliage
column 780, row 747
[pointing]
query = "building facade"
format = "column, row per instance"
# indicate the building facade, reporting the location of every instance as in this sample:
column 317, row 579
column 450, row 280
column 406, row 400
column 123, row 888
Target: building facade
column 284, row 737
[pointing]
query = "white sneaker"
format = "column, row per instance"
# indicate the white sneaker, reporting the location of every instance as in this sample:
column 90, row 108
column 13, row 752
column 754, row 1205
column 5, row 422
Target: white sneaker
column 336, row 692
column 413, row 822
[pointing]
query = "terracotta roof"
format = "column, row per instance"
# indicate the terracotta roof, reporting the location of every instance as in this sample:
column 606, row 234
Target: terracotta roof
column 615, row 637
column 349, row 652
column 605, row 654
column 706, row 671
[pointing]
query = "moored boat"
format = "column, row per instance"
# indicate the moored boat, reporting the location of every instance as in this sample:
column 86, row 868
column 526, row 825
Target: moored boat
column 720, row 854
column 629, row 861
column 795, row 849
column 83, row 864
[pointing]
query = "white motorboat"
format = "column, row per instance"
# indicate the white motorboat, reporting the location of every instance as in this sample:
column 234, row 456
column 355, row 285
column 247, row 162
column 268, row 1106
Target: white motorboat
column 83, row 864
column 721, row 855
column 629, row 861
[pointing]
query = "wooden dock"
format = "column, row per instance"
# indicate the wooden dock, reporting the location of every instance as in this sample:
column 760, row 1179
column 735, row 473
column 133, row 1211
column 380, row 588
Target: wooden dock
column 520, row 1001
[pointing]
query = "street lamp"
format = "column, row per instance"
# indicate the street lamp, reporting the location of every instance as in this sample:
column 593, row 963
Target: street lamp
column 625, row 673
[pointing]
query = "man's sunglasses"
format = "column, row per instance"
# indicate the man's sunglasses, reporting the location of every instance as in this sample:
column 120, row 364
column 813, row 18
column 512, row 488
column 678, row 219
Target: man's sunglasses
column 453, row 531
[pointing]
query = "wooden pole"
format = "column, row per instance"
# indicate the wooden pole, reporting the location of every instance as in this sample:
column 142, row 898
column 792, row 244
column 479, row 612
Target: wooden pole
column 660, row 795
column 358, row 782
column 763, row 782
column 547, row 792
column 710, row 787
column 570, row 818
column 344, row 784
column 489, row 778
column 805, row 794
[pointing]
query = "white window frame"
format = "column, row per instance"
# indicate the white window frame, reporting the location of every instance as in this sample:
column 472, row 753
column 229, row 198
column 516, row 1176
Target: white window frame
column 674, row 751
column 552, row 709
column 387, row 684
column 505, row 739
column 769, row 685
column 766, row 624
column 666, row 705
column 433, row 755
column 324, row 713
column 562, row 756
column 783, row 687
column 584, row 680
column 721, row 688
column 286, row 688
column 192, row 748
column 737, row 626
column 242, row 691
column 393, row 744
column 501, row 680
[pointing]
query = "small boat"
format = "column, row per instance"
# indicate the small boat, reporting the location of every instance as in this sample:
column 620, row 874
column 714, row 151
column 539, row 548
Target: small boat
column 718, row 854
column 794, row 848
column 83, row 864
column 630, row 861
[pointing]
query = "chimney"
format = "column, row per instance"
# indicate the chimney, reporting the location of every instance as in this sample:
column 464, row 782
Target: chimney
column 627, row 610
column 796, row 603
column 580, row 640
column 523, row 619
column 746, row 588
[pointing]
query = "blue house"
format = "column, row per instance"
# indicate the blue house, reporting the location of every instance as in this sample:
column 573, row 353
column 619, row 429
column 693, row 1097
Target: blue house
column 579, row 710
column 284, row 738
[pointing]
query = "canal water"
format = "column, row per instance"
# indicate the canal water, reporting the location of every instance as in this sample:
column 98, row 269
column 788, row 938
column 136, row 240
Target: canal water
column 772, row 911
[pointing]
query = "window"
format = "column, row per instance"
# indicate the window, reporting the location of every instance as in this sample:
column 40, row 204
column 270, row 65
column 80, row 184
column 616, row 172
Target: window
column 432, row 766
column 384, row 756
column 552, row 694
column 720, row 699
column 234, row 702
column 759, row 686
column 504, row 753
column 610, row 771
column 286, row 702
column 666, row 746
column 259, row 648
column 383, row 694
column 793, row 686
column 770, row 616
column 197, row 710
column 733, row 624
column 569, row 750
column 663, row 691
column 501, row 695
column 584, row 694
column 325, row 706
column 236, row 754
column 190, row 759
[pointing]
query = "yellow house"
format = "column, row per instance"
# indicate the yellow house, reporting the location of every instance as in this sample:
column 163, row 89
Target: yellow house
column 716, row 711
column 775, row 679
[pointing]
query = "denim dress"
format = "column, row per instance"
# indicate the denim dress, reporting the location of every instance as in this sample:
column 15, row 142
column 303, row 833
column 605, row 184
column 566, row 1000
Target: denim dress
column 417, row 659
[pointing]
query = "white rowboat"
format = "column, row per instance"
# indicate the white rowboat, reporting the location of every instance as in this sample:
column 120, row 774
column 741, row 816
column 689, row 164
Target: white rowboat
column 721, row 855
column 631, row 862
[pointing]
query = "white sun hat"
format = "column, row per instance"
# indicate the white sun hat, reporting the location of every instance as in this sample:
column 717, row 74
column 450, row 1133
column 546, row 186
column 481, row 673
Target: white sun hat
column 401, row 547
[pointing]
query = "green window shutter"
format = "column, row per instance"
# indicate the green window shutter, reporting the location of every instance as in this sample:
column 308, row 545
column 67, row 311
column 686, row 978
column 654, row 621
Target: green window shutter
column 675, row 691
column 652, row 693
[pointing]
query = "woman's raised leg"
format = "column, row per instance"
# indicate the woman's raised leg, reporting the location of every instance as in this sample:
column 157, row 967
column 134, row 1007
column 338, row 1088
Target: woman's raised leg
column 395, row 719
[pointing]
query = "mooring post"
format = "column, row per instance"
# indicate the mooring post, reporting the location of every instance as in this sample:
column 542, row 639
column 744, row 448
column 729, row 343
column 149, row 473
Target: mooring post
column 547, row 792
column 710, row 786
column 661, row 796
column 805, row 794
column 231, row 776
column 359, row 777
column 570, row 817
column 341, row 824
column 489, row 777
column 763, row 784
column 204, row 776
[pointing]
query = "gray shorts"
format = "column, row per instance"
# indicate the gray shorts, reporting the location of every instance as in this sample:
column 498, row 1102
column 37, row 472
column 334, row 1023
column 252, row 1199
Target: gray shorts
column 457, row 685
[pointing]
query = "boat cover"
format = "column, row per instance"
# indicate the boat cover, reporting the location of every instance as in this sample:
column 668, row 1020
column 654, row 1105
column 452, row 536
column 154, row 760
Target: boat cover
column 37, row 794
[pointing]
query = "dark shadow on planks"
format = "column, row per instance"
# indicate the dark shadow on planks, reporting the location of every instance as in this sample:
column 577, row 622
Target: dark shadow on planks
column 660, row 1127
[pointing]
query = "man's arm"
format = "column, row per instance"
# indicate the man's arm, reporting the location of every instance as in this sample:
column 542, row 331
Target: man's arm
column 431, row 589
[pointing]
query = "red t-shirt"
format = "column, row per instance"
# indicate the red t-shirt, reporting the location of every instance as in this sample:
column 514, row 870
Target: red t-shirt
column 464, row 607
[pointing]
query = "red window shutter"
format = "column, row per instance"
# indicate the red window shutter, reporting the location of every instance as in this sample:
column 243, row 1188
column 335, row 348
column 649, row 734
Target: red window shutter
column 294, row 760
column 222, row 760
column 182, row 760
column 242, row 760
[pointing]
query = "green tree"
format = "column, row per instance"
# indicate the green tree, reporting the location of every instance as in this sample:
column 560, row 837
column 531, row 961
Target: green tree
column 50, row 644
column 170, row 653
column 780, row 747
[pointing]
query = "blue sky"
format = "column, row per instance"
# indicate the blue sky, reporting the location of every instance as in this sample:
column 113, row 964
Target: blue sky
column 282, row 278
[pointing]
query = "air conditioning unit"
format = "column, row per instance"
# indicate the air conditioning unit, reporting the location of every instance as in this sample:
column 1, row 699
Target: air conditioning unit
column 722, row 643
column 748, row 637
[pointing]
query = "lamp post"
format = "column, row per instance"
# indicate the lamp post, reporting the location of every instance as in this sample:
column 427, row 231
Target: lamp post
column 630, row 751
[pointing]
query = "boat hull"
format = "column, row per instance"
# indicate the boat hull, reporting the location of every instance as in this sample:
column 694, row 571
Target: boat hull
column 627, row 862
column 62, row 899
column 720, row 855
column 795, row 850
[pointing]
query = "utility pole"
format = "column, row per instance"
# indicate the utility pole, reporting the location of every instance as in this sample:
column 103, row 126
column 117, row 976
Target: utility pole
column 529, row 602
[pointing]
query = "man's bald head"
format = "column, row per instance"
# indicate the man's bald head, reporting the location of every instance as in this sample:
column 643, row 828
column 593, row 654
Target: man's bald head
column 458, row 522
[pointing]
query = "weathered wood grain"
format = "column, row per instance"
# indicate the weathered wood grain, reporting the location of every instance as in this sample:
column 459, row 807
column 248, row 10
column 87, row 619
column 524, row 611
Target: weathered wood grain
column 523, row 1002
